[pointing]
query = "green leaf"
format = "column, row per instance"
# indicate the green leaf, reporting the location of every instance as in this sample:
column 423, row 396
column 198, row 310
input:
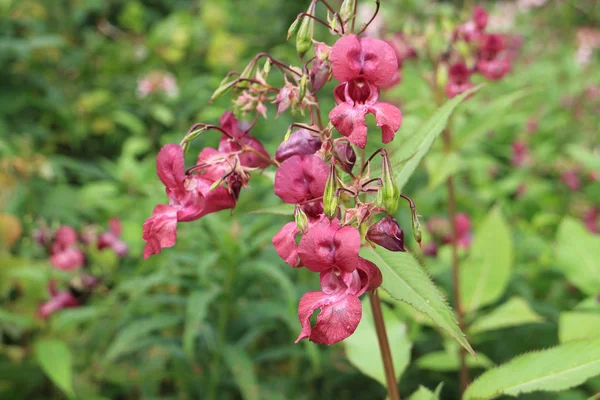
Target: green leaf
column 558, row 368
column 584, row 156
column 56, row 361
column 412, row 151
column 280, row 209
column 423, row 393
column 197, row 308
column 578, row 255
column 514, row 312
column 129, row 121
column 448, row 360
column 576, row 325
column 242, row 371
column 362, row 347
column 405, row 280
column 135, row 332
column 485, row 274
column 440, row 166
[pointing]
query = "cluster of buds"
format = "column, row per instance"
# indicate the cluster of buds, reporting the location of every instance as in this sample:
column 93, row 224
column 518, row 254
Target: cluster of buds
column 440, row 230
column 66, row 250
column 338, row 208
column 473, row 50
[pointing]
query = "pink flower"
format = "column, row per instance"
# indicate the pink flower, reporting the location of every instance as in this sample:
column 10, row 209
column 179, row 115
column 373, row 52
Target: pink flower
column 301, row 178
column 463, row 230
column 387, row 234
column 458, row 80
column 58, row 301
column 591, row 221
column 301, row 142
column 571, row 179
column 520, row 153
column 480, row 17
column 112, row 239
column 339, row 303
column 234, row 128
column 68, row 259
column 190, row 198
column 494, row 69
column 363, row 65
column 328, row 245
column 65, row 236
column 285, row 245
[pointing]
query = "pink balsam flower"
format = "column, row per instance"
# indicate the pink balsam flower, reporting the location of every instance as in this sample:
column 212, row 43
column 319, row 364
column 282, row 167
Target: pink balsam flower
column 112, row 239
column 58, row 301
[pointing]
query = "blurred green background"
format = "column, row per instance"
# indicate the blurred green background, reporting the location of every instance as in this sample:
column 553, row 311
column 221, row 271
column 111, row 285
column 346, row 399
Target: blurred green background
column 78, row 141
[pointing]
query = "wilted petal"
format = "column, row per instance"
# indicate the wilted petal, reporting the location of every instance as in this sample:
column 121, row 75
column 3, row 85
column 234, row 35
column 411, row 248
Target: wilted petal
column 170, row 166
column 370, row 276
column 216, row 168
column 160, row 230
column 301, row 178
column 388, row 118
column 248, row 158
column 285, row 245
column 230, row 124
column 350, row 121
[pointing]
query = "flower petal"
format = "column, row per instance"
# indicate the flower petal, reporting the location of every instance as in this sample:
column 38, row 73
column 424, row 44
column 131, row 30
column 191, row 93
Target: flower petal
column 326, row 246
column 370, row 276
column 285, row 245
column 230, row 124
column 160, row 230
column 388, row 118
column 345, row 58
column 216, row 200
column 350, row 121
column 170, row 166
column 68, row 259
column 301, row 178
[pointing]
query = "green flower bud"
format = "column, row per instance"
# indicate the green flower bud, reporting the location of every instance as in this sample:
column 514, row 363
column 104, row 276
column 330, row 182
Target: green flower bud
column 223, row 87
column 288, row 133
column 302, row 87
column 416, row 227
column 441, row 76
column 267, row 67
column 301, row 219
column 306, row 32
column 347, row 9
column 293, row 28
column 389, row 194
column 330, row 200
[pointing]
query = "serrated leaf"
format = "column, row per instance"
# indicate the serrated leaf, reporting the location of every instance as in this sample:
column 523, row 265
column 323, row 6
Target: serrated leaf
column 56, row 361
column 448, row 360
column 486, row 272
column 242, row 371
column 362, row 347
column 440, row 166
column 197, row 307
column 423, row 393
column 575, row 325
column 412, row 151
column 405, row 280
column 561, row 367
column 578, row 255
column 514, row 312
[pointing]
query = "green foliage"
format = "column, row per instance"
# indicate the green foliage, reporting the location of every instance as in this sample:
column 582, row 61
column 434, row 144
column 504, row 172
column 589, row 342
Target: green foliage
column 513, row 312
column 405, row 280
column 425, row 394
column 559, row 368
column 55, row 359
column 362, row 348
column 578, row 326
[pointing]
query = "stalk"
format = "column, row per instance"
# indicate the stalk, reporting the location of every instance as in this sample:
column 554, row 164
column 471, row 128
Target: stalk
column 384, row 346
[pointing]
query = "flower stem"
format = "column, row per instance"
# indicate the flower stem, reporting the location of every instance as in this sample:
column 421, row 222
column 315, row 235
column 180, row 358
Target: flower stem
column 384, row 346
column 462, row 354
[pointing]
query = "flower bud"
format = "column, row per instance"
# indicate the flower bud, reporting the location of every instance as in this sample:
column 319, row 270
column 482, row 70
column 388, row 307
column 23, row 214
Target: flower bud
column 306, row 32
column 301, row 219
column 389, row 194
column 330, row 200
column 267, row 67
column 416, row 227
column 387, row 234
column 224, row 86
column 300, row 142
column 302, row 88
column 347, row 9
column 293, row 28
column 320, row 74
column 345, row 155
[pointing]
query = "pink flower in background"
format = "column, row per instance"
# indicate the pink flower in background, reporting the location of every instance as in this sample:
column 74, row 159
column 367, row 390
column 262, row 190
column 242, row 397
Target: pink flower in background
column 363, row 66
column 112, row 239
column 441, row 230
column 463, row 230
column 64, row 251
column 571, row 179
column 158, row 82
column 520, row 153
column 473, row 29
column 591, row 219
column 458, row 80
column 58, row 301
column 339, row 303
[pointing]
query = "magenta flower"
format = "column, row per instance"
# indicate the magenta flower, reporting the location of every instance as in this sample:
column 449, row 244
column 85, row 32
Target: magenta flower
column 58, row 301
column 463, row 230
column 64, row 253
column 491, row 64
column 300, row 179
column 571, row 179
column 591, row 220
column 328, row 245
column 301, row 142
column 339, row 303
column 235, row 129
column 458, row 80
column 285, row 245
column 190, row 198
column 112, row 239
column 520, row 153
column 387, row 233
column 363, row 66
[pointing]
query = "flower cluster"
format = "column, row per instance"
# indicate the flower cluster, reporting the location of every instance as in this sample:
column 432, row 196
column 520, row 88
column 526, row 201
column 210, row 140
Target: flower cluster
column 476, row 51
column 441, row 231
column 67, row 250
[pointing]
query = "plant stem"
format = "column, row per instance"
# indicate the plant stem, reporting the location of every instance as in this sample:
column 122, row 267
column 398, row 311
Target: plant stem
column 221, row 330
column 462, row 354
column 384, row 346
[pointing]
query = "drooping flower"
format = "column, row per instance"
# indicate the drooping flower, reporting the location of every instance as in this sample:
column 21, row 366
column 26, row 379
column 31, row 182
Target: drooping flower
column 491, row 63
column 458, row 80
column 58, row 301
column 112, row 239
column 259, row 158
column 387, row 233
column 301, row 142
column 285, row 245
column 328, row 245
column 363, row 66
column 339, row 303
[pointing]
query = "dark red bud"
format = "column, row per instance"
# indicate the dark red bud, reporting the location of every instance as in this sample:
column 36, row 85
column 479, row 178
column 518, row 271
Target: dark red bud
column 346, row 156
column 301, row 142
column 320, row 73
column 234, row 182
column 388, row 234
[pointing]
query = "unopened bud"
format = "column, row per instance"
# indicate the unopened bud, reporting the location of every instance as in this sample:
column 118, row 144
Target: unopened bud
column 347, row 9
column 302, row 88
column 267, row 67
column 441, row 76
column 389, row 194
column 306, row 32
column 346, row 156
column 223, row 87
column 330, row 200
column 320, row 74
column 387, row 234
column 293, row 28
column 301, row 219
column 416, row 227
